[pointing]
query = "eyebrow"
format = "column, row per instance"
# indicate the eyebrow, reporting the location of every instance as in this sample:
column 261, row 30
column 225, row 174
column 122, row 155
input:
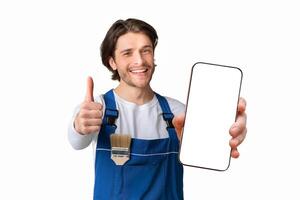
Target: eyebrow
column 147, row 46
column 125, row 50
column 130, row 49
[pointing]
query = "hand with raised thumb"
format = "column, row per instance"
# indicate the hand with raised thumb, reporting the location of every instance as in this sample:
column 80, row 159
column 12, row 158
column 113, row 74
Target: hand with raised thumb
column 89, row 118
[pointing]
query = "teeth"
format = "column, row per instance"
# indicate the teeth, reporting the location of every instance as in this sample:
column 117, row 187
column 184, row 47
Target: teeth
column 139, row 71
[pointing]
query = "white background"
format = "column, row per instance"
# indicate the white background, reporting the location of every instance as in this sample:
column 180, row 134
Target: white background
column 48, row 48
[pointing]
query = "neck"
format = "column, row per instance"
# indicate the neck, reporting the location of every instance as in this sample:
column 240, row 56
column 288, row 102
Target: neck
column 135, row 95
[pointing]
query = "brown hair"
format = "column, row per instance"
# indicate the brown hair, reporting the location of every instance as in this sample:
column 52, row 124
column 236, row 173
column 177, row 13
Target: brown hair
column 119, row 28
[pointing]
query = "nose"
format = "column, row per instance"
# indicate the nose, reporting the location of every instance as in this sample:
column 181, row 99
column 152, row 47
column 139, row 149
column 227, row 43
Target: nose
column 137, row 59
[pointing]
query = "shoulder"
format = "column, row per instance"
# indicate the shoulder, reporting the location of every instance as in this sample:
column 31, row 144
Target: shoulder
column 176, row 106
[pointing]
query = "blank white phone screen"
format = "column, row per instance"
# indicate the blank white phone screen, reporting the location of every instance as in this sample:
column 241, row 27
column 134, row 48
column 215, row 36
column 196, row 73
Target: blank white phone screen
column 211, row 110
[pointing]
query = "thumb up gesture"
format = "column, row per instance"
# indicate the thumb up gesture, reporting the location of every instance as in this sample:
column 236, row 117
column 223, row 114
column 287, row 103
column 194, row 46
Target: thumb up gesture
column 89, row 118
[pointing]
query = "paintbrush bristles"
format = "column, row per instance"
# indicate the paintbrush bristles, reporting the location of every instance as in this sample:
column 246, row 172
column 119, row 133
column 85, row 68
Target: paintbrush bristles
column 120, row 148
column 118, row 140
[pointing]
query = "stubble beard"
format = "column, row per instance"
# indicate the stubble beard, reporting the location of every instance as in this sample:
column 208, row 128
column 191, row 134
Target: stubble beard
column 128, row 80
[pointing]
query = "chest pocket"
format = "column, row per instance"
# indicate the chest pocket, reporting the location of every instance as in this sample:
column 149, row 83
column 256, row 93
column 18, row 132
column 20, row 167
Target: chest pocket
column 148, row 159
column 145, row 176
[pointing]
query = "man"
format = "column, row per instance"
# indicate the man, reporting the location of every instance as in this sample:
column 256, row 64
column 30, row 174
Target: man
column 153, row 170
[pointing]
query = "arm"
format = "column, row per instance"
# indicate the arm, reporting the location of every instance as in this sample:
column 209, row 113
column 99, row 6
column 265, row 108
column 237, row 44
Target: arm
column 87, row 120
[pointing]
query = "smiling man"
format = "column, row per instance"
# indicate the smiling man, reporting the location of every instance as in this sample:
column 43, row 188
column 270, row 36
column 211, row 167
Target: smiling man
column 154, row 122
column 134, row 62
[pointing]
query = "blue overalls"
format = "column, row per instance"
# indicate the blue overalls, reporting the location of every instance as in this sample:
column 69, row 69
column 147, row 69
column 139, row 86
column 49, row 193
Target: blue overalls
column 153, row 171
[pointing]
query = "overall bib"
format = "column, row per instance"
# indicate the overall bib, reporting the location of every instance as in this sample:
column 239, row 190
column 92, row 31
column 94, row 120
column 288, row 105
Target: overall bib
column 153, row 171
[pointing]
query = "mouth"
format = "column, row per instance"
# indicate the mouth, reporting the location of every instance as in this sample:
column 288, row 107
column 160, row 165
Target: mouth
column 139, row 71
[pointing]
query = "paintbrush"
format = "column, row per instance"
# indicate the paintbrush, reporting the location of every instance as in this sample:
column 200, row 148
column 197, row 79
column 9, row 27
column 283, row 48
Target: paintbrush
column 120, row 148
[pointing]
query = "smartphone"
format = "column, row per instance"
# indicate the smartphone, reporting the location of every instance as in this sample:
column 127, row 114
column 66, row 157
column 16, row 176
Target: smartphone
column 211, row 109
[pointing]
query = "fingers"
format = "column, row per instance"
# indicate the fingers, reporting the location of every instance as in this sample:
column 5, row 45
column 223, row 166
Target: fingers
column 241, row 119
column 85, row 122
column 89, row 118
column 90, row 114
column 238, row 126
column 236, row 141
column 91, row 106
column 235, row 153
column 88, row 121
column 90, row 129
column 238, row 130
column 89, row 90
column 242, row 105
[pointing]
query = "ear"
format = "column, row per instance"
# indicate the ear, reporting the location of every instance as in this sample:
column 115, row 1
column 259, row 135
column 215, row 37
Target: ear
column 112, row 63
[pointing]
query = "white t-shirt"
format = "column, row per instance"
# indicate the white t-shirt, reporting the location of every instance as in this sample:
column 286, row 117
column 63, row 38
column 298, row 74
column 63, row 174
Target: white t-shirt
column 140, row 121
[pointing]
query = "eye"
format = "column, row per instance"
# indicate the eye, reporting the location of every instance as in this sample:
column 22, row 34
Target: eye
column 146, row 51
column 127, row 53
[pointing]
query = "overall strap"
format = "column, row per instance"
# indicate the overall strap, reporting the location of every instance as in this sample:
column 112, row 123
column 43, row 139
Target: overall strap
column 167, row 114
column 108, row 123
column 111, row 113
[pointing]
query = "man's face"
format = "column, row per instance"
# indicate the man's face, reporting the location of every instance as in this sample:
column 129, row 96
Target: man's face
column 134, row 59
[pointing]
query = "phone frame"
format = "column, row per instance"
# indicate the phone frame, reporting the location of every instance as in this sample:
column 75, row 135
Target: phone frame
column 187, row 104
